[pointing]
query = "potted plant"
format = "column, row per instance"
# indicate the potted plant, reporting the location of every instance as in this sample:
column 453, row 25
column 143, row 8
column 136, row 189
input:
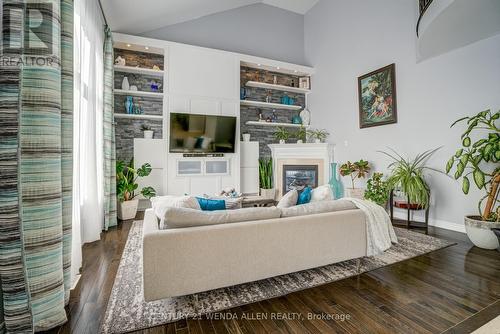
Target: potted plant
column 377, row 190
column 266, row 178
column 148, row 133
column 479, row 160
column 407, row 176
column 356, row 170
column 319, row 135
column 281, row 134
column 126, row 186
column 301, row 135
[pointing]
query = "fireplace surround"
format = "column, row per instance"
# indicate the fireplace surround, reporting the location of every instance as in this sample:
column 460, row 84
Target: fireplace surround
column 309, row 156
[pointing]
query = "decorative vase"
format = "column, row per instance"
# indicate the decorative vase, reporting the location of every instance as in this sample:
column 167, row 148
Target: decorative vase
column 148, row 134
column 335, row 182
column 268, row 193
column 497, row 233
column 129, row 105
column 358, row 193
column 480, row 232
column 300, row 141
column 317, row 141
column 125, row 84
column 246, row 137
column 305, row 116
column 282, row 141
column 127, row 210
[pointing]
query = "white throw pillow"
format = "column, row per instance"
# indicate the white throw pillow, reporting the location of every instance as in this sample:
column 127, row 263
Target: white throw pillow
column 231, row 202
column 290, row 199
column 322, row 193
column 161, row 203
column 317, row 207
column 182, row 217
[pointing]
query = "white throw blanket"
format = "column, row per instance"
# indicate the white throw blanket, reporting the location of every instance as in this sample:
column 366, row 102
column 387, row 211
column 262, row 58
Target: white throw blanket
column 379, row 231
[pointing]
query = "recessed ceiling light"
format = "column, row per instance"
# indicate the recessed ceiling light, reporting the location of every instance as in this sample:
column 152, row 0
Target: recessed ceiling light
column 278, row 68
column 128, row 45
column 146, row 47
column 295, row 71
column 259, row 64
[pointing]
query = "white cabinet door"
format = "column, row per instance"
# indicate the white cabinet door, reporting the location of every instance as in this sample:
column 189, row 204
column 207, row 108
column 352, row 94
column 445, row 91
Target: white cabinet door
column 249, row 154
column 152, row 151
column 249, row 180
column 202, row 72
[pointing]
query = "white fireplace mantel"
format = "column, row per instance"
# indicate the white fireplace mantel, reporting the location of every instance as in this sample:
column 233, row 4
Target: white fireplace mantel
column 306, row 153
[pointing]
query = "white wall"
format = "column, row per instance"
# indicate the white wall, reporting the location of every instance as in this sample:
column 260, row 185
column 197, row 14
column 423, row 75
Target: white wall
column 348, row 38
column 257, row 30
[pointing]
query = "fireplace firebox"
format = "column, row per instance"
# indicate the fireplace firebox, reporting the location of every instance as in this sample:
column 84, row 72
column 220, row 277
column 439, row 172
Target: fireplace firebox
column 299, row 176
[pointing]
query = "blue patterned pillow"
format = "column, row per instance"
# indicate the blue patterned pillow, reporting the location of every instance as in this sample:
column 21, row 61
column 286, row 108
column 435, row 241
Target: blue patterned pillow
column 211, row 204
column 305, row 196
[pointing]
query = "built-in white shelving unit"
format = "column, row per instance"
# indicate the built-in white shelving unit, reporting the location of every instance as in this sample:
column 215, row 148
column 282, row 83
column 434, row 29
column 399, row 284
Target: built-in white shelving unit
column 260, row 104
column 257, row 123
column 138, row 116
column 277, row 87
column 156, row 95
column 138, row 70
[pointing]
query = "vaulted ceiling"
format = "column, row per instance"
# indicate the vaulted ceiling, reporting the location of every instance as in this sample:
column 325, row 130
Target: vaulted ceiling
column 136, row 17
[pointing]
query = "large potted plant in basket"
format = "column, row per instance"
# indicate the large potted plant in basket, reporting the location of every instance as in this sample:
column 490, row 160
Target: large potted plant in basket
column 356, row 170
column 407, row 177
column 480, row 161
column 126, row 187
column 266, row 178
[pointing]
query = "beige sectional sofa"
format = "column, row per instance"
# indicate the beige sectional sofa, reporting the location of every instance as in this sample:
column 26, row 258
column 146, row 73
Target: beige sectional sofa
column 181, row 261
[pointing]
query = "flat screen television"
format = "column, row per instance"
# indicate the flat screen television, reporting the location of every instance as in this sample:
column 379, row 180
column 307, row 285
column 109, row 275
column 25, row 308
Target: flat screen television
column 191, row 133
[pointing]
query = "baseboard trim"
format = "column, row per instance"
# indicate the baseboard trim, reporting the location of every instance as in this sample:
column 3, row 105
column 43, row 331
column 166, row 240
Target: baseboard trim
column 437, row 223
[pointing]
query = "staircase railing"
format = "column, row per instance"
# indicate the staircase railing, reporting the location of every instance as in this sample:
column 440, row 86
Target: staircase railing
column 422, row 6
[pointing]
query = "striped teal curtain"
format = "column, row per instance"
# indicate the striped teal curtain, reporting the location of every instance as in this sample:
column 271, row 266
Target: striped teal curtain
column 109, row 135
column 36, row 102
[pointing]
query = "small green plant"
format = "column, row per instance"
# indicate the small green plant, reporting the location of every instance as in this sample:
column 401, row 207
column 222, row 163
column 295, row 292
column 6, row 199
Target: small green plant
column 281, row 134
column 377, row 189
column 356, row 170
column 407, row 175
column 319, row 134
column 480, row 159
column 145, row 127
column 126, row 181
column 266, row 173
column 301, row 133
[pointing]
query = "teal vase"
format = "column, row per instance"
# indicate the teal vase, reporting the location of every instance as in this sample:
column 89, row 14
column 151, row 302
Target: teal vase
column 335, row 182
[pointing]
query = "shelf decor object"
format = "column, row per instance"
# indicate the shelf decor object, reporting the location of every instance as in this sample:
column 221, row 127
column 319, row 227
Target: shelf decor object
column 283, row 88
column 138, row 116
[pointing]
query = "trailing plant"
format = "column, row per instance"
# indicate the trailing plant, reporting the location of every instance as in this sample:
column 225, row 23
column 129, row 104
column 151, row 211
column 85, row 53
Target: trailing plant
column 126, row 181
column 480, row 160
column 266, row 173
column 356, row 170
column 281, row 133
column 145, row 127
column 377, row 189
column 407, row 175
column 301, row 134
column 320, row 134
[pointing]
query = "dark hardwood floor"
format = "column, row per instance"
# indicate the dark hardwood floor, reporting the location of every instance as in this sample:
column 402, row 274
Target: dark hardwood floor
column 453, row 290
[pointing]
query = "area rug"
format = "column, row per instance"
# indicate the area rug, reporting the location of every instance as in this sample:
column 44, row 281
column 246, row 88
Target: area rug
column 127, row 310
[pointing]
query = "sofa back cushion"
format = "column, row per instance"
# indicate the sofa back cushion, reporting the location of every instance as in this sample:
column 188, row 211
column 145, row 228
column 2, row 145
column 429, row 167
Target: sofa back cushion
column 183, row 217
column 317, row 207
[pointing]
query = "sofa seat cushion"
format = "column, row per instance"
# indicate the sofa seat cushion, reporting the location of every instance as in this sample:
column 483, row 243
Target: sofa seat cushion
column 317, row 207
column 183, row 217
column 290, row 199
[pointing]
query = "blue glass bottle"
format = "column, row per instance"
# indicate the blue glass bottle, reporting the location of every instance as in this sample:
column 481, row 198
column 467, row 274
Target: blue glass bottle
column 336, row 182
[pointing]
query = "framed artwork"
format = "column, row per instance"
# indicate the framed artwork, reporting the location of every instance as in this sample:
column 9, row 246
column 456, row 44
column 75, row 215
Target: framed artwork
column 377, row 97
